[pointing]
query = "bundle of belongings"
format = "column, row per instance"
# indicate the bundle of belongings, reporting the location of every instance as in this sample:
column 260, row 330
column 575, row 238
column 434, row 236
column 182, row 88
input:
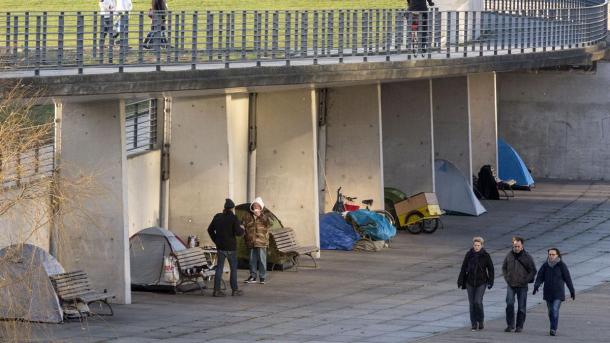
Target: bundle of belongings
column 375, row 230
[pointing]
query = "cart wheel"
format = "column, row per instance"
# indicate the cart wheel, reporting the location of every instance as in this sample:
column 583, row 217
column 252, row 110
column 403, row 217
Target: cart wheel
column 416, row 227
column 430, row 225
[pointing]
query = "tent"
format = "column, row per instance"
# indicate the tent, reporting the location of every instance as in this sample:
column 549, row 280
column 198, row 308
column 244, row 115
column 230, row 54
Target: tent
column 147, row 250
column 512, row 166
column 453, row 190
column 336, row 233
column 29, row 295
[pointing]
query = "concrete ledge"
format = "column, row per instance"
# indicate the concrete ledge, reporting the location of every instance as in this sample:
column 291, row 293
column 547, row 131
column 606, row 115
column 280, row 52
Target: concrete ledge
column 216, row 81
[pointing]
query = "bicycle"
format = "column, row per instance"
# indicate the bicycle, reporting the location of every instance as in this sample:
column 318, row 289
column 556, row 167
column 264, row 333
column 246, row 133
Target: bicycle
column 341, row 206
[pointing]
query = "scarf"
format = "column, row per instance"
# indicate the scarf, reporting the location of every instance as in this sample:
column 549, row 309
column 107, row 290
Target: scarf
column 473, row 260
column 553, row 263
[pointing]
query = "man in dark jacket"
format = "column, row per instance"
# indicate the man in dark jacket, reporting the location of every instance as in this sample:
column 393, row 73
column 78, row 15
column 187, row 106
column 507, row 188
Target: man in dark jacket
column 519, row 270
column 477, row 273
column 422, row 26
column 554, row 274
column 223, row 230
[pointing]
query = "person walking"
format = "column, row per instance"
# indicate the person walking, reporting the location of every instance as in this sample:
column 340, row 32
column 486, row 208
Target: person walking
column 477, row 273
column 107, row 7
column 123, row 7
column 518, row 269
column 157, row 35
column 257, row 240
column 223, row 230
column 421, row 7
column 555, row 275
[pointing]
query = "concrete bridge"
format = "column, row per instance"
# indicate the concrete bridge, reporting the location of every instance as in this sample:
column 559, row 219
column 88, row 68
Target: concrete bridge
column 287, row 105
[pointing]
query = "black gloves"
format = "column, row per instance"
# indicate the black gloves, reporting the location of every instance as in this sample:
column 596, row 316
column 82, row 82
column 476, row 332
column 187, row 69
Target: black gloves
column 459, row 285
column 535, row 290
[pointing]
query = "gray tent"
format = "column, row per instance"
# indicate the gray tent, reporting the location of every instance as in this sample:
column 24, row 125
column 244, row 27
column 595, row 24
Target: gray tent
column 453, row 190
column 147, row 249
column 26, row 293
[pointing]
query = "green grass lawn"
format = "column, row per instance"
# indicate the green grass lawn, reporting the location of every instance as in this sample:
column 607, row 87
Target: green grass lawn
column 201, row 5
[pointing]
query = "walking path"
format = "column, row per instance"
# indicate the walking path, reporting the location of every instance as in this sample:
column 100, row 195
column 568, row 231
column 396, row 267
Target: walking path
column 402, row 294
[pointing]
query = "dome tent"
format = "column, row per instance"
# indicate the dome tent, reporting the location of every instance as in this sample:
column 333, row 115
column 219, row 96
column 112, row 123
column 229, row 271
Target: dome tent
column 453, row 190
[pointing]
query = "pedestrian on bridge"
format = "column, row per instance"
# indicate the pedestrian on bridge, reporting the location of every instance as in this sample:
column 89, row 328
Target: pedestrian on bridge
column 518, row 269
column 157, row 34
column 555, row 275
column 477, row 273
column 107, row 7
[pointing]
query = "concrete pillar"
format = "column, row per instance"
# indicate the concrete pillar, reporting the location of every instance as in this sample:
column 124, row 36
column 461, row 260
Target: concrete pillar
column 92, row 140
column 286, row 161
column 408, row 142
column 354, row 157
column 452, row 123
column 207, row 160
column 482, row 100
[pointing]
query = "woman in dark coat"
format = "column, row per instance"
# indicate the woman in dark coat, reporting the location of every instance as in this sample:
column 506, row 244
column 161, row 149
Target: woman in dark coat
column 476, row 274
column 554, row 274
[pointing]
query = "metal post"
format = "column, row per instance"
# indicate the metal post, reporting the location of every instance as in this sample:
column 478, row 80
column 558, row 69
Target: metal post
column 38, row 54
column 331, row 33
column 16, row 40
column 141, row 39
column 341, row 33
column 447, row 34
column 287, row 37
column 315, row 37
column 209, row 35
column 257, row 36
column 365, row 35
column 80, row 26
column 275, row 35
column 266, row 34
column 220, row 27
column 194, row 49
column 465, row 52
column 26, row 38
column 355, row 33
column 304, row 31
column 60, row 39
column 244, row 20
column 227, row 52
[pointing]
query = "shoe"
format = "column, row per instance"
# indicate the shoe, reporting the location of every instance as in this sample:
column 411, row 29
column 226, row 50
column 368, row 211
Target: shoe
column 473, row 327
column 237, row 292
column 481, row 326
column 518, row 329
column 508, row 329
column 250, row 280
column 262, row 282
column 552, row 333
column 219, row 293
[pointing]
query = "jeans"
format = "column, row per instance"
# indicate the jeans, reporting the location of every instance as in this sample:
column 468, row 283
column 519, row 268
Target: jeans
column 258, row 260
column 231, row 257
column 521, row 293
column 475, row 299
column 553, row 306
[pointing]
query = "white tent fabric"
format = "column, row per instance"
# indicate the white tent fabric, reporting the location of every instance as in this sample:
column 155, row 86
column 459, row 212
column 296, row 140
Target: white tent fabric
column 30, row 295
column 453, row 191
column 147, row 249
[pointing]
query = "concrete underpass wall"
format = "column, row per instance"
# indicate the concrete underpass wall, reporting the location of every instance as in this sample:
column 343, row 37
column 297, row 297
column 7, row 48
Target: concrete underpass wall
column 559, row 122
column 143, row 190
column 407, row 136
column 237, row 131
column 92, row 141
column 28, row 221
column 483, row 115
column 452, row 122
column 199, row 165
column 354, row 158
column 286, row 161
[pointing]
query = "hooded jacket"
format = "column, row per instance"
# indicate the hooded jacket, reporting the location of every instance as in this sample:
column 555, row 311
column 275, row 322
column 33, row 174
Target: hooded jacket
column 257, row 228
column 519, row 269
column 554, row 279
column 224, row 229
column 477, row 269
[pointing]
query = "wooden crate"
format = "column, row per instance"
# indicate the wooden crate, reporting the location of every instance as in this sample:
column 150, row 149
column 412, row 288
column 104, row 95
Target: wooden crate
column 415, row 202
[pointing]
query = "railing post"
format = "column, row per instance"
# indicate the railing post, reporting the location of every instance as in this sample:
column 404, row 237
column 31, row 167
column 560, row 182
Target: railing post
column 244, row 21
column 266, row 50
column 8, row 31
column 365, row 35
column 194, row 49
column 304, row 32
column 355, row 33
column 275, row 35
column 156, row 38
column 448, row 34
column 497, row 31
column 16, row 39
column 80, row 26
column 331, row 35
column 26, row 38
column 220, row 27
column 141, row 37
column 457, row 31
column 209, row 35
column 473, row 38
column 341, row 33
column 38, row 53
column 227, row 50
column 60, row 39
column 510, row 33
column 465, row 52
column 398, row 34
column 323, row 35
column 44, row 37
column 315, row 36
column 297, row 15
column 257, row 37
column 377, row 29
column 95, row 30
column 287, row 37
column 387, row 34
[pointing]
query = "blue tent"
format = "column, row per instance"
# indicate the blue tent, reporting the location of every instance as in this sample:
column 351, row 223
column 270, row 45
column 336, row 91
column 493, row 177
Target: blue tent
column 511, row 166
column 336, row 233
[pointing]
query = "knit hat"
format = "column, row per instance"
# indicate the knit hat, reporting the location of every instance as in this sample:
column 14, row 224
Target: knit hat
column 258, row 200
column 229, row 204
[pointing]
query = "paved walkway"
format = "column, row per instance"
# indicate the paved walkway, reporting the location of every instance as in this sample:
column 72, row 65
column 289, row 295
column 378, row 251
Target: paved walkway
column 402, row 294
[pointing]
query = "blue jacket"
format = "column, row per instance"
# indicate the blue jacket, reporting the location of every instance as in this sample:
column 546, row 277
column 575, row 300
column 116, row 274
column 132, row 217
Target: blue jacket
column 554, row 279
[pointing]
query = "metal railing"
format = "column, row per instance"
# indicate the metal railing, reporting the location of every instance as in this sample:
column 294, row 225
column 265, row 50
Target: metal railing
column 33, row 163
column 141, row 126
column 222, row 39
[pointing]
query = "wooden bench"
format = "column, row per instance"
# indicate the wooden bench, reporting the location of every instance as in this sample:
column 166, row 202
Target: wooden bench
column 193, row 263
column 74, row 287
column 286, row 243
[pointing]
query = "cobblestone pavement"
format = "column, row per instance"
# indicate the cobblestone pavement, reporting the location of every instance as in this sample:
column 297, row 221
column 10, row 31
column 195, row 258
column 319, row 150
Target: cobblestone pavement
column 405, row 293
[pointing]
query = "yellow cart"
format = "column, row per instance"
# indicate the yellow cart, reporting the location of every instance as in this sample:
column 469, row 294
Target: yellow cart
column 418, row 213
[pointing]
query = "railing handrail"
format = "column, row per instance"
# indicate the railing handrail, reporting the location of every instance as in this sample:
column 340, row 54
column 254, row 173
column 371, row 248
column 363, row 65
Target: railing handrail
column 45, row 40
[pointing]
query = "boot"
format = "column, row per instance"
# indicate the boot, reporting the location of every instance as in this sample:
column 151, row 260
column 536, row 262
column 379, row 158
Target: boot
column 218, row 293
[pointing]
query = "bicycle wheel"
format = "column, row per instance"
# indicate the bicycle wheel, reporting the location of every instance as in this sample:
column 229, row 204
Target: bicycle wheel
column 387, row 215
column 430, row 225
column 418, row 225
